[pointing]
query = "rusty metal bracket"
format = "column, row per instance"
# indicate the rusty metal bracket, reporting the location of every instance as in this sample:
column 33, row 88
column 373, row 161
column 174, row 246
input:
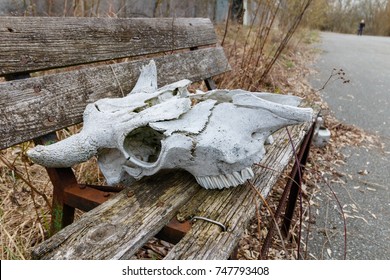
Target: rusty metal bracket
column 291, row 190
column 296, row 183
column 174, row 231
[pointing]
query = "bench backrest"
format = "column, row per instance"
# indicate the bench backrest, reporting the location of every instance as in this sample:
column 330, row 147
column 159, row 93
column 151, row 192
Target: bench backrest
column 183, row 48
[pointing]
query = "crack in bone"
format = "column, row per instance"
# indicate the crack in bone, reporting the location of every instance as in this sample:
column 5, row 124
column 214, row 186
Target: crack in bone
column 193, row 122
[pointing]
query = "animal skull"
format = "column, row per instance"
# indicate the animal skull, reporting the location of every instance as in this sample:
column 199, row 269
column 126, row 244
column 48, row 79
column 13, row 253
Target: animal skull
column 217, row 139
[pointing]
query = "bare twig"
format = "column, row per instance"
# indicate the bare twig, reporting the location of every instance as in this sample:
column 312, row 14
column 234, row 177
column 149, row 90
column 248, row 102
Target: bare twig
column 227, row 23
column 285, row 40
column 26, row 181
column 272, row 216
column 339, row 74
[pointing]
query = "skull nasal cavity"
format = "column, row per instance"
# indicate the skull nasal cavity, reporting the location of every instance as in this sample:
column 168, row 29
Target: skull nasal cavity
column 144, row 143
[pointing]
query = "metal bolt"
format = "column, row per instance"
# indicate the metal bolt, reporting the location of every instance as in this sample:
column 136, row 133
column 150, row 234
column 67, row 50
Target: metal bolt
column 130, row 193
column 37, row 88
column 51, row 119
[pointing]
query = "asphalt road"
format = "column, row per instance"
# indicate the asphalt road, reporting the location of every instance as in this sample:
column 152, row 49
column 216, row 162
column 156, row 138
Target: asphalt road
column 366, row 62
column 364, row 190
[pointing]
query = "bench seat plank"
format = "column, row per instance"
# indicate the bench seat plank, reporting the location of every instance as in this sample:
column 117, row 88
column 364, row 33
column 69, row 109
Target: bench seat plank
column 120, row 226
column 234, row 207
column 36, row 106
column 29, row 44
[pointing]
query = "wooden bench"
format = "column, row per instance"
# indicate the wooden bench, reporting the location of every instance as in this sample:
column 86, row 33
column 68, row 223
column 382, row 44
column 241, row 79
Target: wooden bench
column 35, row 104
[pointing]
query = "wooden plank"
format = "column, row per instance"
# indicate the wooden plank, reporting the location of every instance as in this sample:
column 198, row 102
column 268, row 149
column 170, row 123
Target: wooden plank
column 120, row 226
column 36, row 43
column 36, row 106
column 233, row 207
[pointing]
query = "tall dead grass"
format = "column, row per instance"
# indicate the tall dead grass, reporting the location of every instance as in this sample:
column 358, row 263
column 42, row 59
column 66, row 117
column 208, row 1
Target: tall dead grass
column 24, row 211
column 254, row 51
column 26, row 195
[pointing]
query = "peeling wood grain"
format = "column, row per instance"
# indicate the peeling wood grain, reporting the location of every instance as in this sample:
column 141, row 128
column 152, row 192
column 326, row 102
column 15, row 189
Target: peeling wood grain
column 37, row 43
column 120, row 226
column 34, row 107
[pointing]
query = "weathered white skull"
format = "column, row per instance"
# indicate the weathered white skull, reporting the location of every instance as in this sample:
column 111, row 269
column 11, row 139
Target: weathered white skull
column 216, row 136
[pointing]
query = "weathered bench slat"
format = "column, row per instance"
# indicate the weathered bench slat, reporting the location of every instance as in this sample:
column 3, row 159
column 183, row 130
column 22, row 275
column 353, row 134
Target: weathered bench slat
column 120, row 226
column 234, row 208
column 100, row 232
column 33, row 43
column 36, row 106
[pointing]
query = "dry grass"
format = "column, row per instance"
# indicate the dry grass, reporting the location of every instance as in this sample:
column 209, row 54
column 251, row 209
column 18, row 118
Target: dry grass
column 25, row 214
column 25, row 197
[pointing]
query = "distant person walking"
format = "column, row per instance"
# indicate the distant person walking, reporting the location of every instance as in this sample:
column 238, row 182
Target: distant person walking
column 362, row 24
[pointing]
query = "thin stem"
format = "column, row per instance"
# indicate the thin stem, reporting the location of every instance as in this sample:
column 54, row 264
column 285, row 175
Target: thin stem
column 227, row 23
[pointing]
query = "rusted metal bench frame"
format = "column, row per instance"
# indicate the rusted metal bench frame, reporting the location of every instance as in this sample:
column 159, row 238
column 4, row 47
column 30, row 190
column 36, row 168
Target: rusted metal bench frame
column 68, row 194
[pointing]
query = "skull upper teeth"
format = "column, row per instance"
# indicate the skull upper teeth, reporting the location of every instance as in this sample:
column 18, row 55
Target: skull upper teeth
column 225, row 180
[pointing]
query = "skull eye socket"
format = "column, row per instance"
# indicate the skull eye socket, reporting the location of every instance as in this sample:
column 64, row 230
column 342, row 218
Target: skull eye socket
column 144, row 143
